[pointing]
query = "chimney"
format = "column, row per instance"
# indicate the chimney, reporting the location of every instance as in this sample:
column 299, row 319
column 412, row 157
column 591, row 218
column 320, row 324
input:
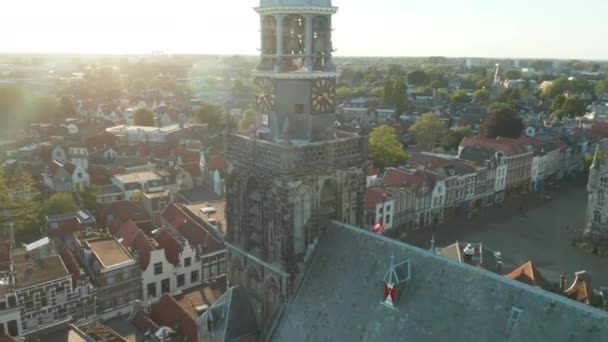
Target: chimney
column 562, row 282
column 468, row 253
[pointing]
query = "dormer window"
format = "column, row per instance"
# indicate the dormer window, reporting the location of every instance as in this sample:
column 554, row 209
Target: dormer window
column 395, row 281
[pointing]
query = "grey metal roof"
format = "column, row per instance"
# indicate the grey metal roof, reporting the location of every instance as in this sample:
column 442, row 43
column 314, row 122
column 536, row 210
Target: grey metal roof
column 295, row 3
column 340, row 299
column 232, row 317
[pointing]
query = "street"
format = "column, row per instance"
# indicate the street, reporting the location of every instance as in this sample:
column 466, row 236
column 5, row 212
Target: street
column 542, row 233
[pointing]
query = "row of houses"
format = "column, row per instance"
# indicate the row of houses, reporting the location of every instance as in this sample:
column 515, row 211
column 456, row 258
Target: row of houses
column 87, row 270
column 434, row 186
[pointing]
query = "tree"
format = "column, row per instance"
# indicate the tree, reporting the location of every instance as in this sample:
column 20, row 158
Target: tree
column 558, row 103
column 59, row 203
column 377, row 92
column 399, row 96
column 429, row 130
column 512, row 74
column 460, row 96
column 21, row 198
column 44, row 108
column 418, row 78
column 558, row 87
column 387, row 94
column 600, row 88
column 66, row 109
column 12, row 102
column 144, row 117
column 503, row 122
column 211, row 115
column 249, row 119
column 344, row 92
column 89, row 198
column 481, row 95
column 574, row 106
column 385, row 148
column 454, row 137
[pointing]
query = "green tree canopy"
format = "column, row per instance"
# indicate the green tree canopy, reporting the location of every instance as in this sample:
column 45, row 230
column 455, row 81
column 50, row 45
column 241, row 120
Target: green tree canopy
column 512, row 74
column 66, row 109
column 57, row 204
column 89, row 198
column 503, row 122
column 454, row 137
column 44, row 108
column 574, row 106
column 400, row 96
column 144, row 117
column 12, row 103
column 211, row 115
column 418, row 78
column 249, row 119
column 600, row 88
column 387, row 94
column 460, row 96
column 429, row 131
column 377, row 91
column 481, row 95
column 385, row 148
column 21, row 196
column 345, row 93
column 558, row 103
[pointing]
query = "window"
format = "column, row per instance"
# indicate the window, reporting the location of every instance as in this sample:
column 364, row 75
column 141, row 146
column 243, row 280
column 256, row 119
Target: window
column 158, row 268
column 187, row 261
column 152, row 290
column 194, row 276
column 181, row 280
column 79, row 175
column 515, row 316
column 388, row 208
column 388, row 219
column 601, row 199
column 299, row 108
column 12, row 328
column 604, row 182
column 597, row 217
column 165, row 286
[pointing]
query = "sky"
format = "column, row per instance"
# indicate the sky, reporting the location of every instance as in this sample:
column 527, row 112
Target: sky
column 452, row 28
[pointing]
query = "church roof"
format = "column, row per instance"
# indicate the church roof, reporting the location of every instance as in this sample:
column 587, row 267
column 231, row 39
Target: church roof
column 340, row 299
column 295, row 3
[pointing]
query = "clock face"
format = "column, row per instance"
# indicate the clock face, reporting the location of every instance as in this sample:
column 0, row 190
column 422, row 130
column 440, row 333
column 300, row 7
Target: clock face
column 265, row 94
column 324, row 95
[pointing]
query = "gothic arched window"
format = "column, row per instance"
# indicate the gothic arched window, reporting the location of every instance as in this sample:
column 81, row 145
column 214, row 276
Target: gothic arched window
column 601, row 199
column 302, row 212
column 597, row 216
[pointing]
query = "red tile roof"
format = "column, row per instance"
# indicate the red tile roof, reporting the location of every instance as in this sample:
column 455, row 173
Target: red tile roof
column 69, row 167
column 216, row 162
column 373, row 196
column 127, row 232
column 528, row 274
column 582, row 291
column 144, row 323
column 172, row 247
column 70, row 263
column 99, row 175
column 193, row 169
column 144, row 248
column 373, row 172
column 168, row 312
column 124, row 211
column 506, row 145
column 190, row 229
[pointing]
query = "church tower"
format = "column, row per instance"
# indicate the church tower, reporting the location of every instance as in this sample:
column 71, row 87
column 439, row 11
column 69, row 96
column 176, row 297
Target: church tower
column 292, row 173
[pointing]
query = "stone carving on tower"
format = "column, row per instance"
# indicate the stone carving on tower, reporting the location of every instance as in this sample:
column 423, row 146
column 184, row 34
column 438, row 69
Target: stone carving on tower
column 295, row 174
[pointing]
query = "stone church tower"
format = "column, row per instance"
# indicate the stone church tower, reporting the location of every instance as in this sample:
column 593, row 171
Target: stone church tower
column 292, row 173
column 597, row 187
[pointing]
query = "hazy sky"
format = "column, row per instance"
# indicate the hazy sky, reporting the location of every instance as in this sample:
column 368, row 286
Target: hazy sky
column 484, row 28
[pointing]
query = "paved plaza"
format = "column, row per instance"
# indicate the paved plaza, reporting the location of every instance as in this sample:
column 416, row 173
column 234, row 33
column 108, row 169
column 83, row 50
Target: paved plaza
column 542, row 232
